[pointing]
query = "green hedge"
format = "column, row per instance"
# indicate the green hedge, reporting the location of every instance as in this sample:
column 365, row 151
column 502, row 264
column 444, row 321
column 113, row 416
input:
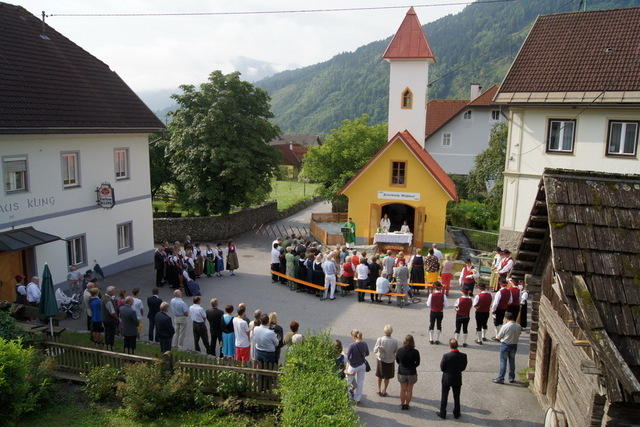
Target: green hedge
column 471, row 214
column 312, row 393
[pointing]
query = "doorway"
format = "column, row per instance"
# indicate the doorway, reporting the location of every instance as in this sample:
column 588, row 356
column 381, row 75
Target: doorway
column 399, row 212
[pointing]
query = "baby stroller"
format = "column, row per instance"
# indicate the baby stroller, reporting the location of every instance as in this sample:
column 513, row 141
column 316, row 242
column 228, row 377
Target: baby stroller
column 68, row 305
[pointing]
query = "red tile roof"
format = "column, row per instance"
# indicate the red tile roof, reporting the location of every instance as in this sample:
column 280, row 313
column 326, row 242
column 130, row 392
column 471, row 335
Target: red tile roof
column 486, row 98
column 440, row 111
column 49, row 84
column 423, row 156
column 577, row 52
column 409, row 41
column 291, row 154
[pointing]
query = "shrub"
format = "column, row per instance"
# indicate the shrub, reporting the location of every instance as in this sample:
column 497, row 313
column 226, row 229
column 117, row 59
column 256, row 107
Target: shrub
column 102, row 383
column 230, row 383
column 8, row 328
column 24, row 379
column 150, row 392
column 312, row 392
column 470, row 214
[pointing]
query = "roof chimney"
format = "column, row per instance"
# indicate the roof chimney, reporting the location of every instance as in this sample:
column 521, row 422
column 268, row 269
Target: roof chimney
column 475, row 91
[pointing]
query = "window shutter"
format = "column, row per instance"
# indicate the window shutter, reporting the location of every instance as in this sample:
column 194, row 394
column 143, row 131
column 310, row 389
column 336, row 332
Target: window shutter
column 15, row 165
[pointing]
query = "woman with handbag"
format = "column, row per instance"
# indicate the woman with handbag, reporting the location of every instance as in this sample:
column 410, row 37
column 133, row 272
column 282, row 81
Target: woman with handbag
column 357, row 352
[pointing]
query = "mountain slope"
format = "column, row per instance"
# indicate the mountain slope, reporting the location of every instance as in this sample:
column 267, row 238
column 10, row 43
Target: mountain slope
column 476, row 45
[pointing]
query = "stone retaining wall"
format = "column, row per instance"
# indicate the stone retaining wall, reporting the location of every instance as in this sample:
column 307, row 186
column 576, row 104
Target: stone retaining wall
column 222, row 227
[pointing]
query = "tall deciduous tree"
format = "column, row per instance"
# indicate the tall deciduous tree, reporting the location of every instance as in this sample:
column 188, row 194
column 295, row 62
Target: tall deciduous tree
column 343, row 153
column 218, row 144
column 488, row 169
column 160, row 167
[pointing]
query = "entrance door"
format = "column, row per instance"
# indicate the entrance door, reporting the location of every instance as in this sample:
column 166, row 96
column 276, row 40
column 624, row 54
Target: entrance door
column 10, row 265
column 374, row 220
column 399, row 212
column 418, row 232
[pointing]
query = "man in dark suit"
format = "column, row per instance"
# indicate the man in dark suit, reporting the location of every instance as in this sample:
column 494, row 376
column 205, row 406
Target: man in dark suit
column 159, row 259
column 153, row 302
column 214, row 317
column 452, row 365
column 164, row 328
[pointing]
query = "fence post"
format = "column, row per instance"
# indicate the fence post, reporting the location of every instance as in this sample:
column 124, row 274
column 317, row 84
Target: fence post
column 167, row 362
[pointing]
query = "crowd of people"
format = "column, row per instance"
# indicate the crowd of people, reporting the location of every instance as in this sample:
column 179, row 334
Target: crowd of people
column 227, row 333
column 181, row 264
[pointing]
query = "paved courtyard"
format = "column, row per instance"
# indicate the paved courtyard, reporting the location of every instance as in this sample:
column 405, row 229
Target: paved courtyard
column 483, row 402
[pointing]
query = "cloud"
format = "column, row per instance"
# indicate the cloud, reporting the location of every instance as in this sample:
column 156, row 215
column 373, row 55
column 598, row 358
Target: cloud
column 162, row 52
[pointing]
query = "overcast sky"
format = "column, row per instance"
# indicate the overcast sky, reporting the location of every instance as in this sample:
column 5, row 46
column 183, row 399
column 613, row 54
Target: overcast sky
column 163, row 52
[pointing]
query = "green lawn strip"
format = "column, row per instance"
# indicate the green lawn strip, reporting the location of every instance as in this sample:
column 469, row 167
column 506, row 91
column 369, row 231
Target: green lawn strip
column 286, row 193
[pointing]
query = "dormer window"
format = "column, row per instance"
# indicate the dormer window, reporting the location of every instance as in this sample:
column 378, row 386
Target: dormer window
column 407, row 99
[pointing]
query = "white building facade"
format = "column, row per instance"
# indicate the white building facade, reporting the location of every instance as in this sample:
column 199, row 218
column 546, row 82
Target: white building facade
column 574, row 103
column 69, row 126
column 50, row 184
column 457, row 137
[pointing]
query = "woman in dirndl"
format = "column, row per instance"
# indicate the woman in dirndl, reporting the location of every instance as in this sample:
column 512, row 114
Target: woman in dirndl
column 416, row 264
column 232, row 257
column 219, row 260
column 199, row 260
column 209, row 261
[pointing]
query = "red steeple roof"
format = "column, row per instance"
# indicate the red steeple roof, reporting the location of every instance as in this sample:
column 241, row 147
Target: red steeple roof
column 409, row 41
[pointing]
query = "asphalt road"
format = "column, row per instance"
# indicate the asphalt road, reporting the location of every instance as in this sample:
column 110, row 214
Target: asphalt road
column 483, row 402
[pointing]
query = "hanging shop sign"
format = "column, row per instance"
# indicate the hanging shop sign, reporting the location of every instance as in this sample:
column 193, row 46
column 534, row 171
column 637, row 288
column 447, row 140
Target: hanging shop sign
column 106, row 196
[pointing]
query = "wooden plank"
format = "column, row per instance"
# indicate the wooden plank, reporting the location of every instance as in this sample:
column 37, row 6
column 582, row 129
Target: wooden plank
column 581, row 343
column 241, row 368
column 604, row 347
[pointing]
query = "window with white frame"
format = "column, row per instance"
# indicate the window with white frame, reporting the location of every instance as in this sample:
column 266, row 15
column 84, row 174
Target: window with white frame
column 121, row 160
column 495, row 115
column 467, row 115
column 15, row 173
column 561, row 136
column 70, row 169
column 125, row 237
column 623, row 138
column 446, row 139
column 77, row 250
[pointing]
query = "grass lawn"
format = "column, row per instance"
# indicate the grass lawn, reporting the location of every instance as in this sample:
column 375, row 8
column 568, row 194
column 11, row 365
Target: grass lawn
column 286, row 193
column 70, row 407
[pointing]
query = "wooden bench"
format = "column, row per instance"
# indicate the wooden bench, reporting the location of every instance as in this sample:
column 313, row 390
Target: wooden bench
column 304, row 282
column 388, row 294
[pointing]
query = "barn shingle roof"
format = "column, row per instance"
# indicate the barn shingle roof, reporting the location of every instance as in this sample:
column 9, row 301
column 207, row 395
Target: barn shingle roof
column 592, row 221
column 48, row 84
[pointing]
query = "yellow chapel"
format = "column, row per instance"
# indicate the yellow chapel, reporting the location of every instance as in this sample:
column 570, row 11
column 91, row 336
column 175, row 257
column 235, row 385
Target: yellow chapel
column 403, row 182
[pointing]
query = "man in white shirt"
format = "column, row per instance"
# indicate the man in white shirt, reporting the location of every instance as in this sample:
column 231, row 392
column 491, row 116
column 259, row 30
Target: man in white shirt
column 362, row 275
column 33, row 291
column 330, row 270
column 198, row 317
column 275, row 260
column 241, row 330
column 506, row 264
column 437, row 252
column 138, row 308
column 509, row 335
column 266, row 341
column 382, row 285
column 180, row 312
column 75, row 279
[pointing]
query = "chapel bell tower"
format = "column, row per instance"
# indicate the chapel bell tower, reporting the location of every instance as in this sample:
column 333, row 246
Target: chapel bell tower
column 409, row 56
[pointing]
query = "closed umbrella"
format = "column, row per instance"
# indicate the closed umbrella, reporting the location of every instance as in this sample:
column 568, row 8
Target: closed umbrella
column 48, row 305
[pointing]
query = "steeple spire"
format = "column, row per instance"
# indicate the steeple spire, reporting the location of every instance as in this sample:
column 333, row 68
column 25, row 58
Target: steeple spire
column 410, row 41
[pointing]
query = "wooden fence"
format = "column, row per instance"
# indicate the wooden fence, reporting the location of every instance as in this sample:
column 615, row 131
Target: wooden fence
column 322, row 235
column 261, row 379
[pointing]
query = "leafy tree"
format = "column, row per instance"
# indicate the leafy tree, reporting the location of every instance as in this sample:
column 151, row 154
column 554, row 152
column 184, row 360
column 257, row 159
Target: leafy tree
column 218, row 147
column 160, row 166
column 488, row 168
column 343, row 153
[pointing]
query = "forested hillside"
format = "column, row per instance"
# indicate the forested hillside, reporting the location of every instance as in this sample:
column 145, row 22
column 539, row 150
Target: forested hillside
column 475, row 45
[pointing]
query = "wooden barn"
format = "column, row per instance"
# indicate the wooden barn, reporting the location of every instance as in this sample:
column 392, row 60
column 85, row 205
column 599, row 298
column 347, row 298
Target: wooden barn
column 580, row 258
